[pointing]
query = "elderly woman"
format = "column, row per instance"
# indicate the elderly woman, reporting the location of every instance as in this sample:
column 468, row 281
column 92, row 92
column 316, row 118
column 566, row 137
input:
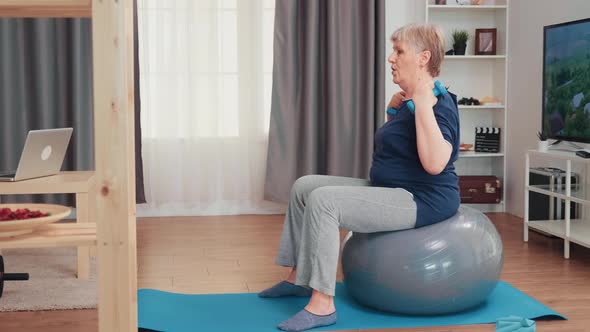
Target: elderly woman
column 412, row 181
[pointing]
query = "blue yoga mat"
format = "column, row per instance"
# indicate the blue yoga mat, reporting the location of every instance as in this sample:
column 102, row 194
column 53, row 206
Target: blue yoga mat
column 246, row 312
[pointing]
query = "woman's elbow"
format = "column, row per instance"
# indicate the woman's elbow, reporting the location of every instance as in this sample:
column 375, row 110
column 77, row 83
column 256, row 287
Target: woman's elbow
column 434, row 169
column 435, row 166
column 434, row 162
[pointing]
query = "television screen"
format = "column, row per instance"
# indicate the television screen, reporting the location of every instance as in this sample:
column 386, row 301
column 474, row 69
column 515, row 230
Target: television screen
column 566, row 81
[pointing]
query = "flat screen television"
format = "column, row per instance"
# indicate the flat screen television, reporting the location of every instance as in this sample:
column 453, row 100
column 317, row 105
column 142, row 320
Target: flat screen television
column 566, row 81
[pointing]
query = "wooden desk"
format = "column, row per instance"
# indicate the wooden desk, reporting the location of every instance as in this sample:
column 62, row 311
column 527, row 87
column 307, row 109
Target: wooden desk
column 81, row 235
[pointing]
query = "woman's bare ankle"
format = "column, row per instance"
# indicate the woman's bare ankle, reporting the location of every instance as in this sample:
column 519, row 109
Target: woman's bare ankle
column 292, row 276
column 320, row 304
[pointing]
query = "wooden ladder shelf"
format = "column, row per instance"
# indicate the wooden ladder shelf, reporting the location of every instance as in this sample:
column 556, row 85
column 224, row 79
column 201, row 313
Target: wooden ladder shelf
column 114, row 146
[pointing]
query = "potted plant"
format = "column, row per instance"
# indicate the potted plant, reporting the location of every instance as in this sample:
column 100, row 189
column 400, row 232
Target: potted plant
column 460, row 38
column 543, row 143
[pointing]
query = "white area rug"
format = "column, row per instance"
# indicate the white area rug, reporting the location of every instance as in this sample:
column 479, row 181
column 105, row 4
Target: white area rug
column 52, row 283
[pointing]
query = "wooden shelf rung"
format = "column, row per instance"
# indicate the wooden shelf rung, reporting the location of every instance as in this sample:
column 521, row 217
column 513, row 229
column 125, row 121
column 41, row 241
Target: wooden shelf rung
column 45, row 8
column 54, row 235
column 62, row 232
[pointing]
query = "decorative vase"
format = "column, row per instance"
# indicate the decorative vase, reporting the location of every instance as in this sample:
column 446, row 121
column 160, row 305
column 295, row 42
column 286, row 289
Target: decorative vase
column 543, row 146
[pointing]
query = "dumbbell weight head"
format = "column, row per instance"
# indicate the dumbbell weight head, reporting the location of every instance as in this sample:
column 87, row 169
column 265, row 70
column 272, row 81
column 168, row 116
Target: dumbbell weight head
column 438, row 90
column 9, row 276
column 1, row 276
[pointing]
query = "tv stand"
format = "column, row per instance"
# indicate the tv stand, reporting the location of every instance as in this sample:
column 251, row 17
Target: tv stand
column 569, row 229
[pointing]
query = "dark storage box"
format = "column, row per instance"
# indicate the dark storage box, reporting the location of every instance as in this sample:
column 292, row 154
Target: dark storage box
column 480, row 189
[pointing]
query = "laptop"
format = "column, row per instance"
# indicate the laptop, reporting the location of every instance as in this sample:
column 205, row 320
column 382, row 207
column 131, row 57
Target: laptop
column 43, row 154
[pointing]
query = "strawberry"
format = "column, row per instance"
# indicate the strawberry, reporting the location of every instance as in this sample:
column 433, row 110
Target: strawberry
column 7, row 214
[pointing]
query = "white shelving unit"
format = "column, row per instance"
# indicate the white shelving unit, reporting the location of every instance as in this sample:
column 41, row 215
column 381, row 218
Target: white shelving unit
column 465, row 7
column 474, row 57
column 480, row 107
column 570, row 230
column 477, row 76
column 471, row 154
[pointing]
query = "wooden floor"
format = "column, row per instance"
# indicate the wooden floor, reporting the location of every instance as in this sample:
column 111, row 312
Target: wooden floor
column 236, row 253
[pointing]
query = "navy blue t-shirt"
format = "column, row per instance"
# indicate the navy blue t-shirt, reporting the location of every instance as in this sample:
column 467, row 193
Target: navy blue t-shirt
column 396, row 162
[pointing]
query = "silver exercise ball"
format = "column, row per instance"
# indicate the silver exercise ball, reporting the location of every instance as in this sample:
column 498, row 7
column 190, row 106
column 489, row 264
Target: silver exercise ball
column 438, row 269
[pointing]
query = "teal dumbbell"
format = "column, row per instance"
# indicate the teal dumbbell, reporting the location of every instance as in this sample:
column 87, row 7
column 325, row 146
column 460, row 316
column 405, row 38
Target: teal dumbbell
column 438, row 90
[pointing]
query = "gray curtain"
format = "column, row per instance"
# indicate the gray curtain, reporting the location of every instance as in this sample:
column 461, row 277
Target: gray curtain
column 46, row 82
column 328, row 90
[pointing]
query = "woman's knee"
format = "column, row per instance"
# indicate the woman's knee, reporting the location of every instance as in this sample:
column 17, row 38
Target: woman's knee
column 322, row 199
column 303, row 186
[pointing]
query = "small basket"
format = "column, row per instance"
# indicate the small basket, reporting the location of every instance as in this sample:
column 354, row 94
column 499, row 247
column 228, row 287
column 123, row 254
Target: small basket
column 26, row 226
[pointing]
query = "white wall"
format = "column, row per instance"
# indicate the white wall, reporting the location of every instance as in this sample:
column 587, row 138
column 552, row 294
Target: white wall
column 526, row 20
column 397, row 14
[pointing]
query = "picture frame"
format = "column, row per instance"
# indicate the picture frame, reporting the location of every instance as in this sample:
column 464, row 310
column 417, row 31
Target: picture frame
column 485, row 41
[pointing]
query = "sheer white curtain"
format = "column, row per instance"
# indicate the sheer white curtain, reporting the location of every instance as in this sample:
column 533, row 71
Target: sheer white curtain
column 206, row 75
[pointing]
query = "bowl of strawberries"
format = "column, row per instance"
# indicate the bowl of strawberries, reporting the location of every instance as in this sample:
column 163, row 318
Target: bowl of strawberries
column 19, row 219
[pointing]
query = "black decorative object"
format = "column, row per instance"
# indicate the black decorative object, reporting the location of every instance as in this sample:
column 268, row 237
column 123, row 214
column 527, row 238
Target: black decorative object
column 468, row 101
column 487, row 139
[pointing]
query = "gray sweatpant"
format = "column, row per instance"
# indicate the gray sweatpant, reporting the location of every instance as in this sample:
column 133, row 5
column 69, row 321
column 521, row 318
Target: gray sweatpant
column 318, row 206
